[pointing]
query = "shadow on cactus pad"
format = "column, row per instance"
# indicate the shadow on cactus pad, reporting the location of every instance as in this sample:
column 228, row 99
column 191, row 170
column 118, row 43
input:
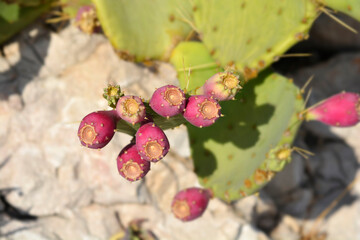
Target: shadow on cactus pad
column 229, row 156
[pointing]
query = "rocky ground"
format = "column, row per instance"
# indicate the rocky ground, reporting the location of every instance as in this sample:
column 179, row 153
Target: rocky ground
column 52, row 188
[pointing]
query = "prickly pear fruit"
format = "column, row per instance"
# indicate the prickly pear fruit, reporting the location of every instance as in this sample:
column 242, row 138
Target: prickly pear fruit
column 222, row 86
column 151, row 142
column 112, row 94
column 168, row 101
column 190, row 203
column 87, row 20
column 97, row 128
column 130, row 164
column 202, row 111
column 131, row 109
column 341, row 110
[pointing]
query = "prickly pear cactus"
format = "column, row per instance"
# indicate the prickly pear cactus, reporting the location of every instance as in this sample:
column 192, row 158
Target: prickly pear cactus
column 236, row 154
column 242, row 33
column 233, row 157
column 243, row 150
column 141, row 30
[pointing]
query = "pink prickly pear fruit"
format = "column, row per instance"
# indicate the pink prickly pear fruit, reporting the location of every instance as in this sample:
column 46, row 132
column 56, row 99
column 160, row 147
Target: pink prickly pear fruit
column 202, row 111
column 130, row 164
column 131, row 109
column 190, row 203
column 168, row 101
column 222, row 86
column 97, row 129
column 341, row 110
column 87, row 21
column 151, row 142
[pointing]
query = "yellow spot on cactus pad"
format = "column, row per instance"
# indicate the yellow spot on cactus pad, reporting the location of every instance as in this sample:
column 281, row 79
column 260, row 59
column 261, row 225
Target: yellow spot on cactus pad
column 242, row 193
column 247, row 183
column 283, row 154
column 250, row 73
column 260, row 176
column 87, row 134
column 181, row 209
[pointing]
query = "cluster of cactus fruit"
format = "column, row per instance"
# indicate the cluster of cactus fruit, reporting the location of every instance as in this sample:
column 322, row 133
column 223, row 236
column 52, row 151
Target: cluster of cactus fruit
column 150, row 143
column 239, row 154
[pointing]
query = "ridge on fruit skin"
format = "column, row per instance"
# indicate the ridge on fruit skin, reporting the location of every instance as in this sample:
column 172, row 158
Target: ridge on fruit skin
column 130, row 164
column 201, row 111
column 340, row 110
column 222, row 86
column 168, row 101
column 151, row 142
column 131, row 109
column 190, row 203
column 97, row 129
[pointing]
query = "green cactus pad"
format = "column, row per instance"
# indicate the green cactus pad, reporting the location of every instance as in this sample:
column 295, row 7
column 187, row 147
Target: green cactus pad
column 26, row 16
column 250, row 34
column 142, row 30
column 241, row 152
column 350, row 7
column 193, row 57
column 234, row 157
column 9, row 12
